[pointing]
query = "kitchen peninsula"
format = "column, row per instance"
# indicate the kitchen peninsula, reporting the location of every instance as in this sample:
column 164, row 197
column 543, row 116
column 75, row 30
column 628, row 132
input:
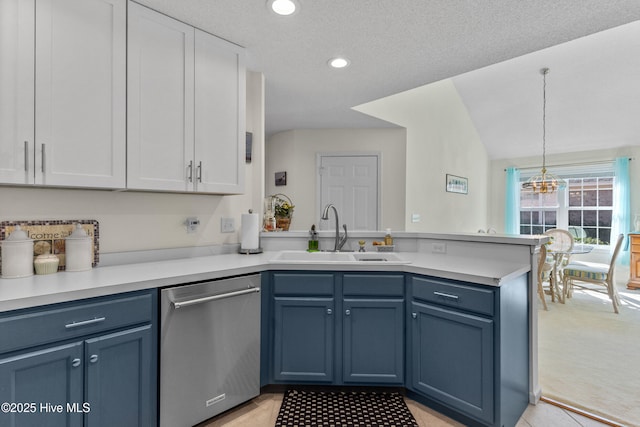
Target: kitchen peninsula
column 485, row 279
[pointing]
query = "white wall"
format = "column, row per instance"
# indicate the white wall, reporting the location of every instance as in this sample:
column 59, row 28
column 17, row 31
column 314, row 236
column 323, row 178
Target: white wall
column 441, row 139
column 140, row 220
column 295, row 152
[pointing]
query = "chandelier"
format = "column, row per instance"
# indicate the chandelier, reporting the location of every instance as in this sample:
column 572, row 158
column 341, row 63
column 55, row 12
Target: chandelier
column 545, row 182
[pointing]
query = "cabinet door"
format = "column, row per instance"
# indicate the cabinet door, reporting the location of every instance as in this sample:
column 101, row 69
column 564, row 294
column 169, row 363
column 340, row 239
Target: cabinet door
column 452, row 359
column 17, row 89
column 219, row 115
column 373, row 341
column 80, row 115
column 119, row 379
column 48, row 378
column 304, row 339
column 160, row 102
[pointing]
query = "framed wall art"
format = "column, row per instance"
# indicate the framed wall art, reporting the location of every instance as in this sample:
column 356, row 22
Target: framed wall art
column 457, row 184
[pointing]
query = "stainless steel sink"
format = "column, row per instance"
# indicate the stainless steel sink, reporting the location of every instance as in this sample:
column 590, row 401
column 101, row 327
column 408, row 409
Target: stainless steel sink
column 304, row 257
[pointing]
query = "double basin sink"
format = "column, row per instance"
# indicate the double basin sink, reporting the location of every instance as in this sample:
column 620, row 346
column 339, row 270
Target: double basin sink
column 305, row 257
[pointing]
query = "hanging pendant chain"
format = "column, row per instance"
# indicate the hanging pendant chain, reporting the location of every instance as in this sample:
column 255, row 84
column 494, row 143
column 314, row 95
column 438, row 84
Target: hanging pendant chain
column 544, row 116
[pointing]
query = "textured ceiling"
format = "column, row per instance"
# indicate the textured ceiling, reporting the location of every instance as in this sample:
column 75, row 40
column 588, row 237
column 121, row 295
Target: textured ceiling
column 393, row 46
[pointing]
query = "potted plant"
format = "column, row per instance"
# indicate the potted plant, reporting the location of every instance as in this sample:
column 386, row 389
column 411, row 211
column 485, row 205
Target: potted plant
column 283, row 211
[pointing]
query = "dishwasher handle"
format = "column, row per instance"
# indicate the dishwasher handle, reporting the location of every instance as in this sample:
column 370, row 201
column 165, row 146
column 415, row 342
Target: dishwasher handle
column 188, row 303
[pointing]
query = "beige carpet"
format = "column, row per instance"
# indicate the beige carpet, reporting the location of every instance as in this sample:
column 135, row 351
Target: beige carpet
column 589, row 357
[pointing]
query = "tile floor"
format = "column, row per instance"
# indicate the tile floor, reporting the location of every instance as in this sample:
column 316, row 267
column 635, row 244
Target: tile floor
column 263, row 411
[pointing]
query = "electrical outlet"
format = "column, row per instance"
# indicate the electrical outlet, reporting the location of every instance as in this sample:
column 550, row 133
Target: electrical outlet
column 192, row 223
column 415, row 217
column 227, row 225
column 439, row 248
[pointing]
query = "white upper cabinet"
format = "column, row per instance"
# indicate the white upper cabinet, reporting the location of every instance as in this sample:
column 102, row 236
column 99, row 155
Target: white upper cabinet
column 160, row 102
column 71, row 131
column 186, row 107
column 219, row 115
column 17, row 34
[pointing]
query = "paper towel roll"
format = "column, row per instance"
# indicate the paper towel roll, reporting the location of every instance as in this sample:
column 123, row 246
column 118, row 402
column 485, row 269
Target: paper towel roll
column 250, row 231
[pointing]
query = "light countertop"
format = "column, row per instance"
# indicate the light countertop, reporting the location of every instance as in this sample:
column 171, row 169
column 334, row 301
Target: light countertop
column 66, row 286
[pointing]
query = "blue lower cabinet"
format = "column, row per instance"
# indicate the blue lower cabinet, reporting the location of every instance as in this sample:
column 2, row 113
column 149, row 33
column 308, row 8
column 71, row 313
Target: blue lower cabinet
column 469, row 348
column 96, row 367
column 36, row 383
column 373, row 341
column 118, row 376
column 304, row 331
column 452, row 359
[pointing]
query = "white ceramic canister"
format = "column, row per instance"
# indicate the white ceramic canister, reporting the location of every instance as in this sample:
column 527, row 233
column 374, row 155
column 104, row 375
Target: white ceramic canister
column 78, row 250
column 17, row 255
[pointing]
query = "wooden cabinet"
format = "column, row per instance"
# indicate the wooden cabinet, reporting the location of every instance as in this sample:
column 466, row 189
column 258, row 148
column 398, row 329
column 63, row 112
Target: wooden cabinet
column 186, row 107
column 373, row 328
column 469, row 348
column 62, row 112
column 634, row 264
column 93, row 359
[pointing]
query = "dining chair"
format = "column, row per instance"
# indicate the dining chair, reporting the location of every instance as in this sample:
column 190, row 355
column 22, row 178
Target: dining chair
column 559, row 247
column 592, row 272
column 544, row 273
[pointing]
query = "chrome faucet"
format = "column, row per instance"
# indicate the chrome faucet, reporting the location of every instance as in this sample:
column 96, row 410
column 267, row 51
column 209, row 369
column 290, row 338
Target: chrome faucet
column 340, row 240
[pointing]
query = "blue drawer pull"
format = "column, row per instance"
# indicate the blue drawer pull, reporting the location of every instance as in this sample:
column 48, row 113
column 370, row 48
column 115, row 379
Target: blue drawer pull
column 85, row 322
column 441, row 294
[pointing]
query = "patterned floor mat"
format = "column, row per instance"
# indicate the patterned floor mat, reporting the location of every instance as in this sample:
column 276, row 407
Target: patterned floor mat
column 340, row 409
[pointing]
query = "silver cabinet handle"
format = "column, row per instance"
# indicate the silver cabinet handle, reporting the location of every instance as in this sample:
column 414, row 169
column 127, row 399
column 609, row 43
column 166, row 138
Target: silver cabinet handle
column 214, row 297
column 347, row 312
column 43, row 157
column 93, row 358
column 85, row 322
column 441, row 294
column 199, row 172
column 329, row 311
column 190, row 169
column 26, row 156
column 75, row 363
column 414, row 315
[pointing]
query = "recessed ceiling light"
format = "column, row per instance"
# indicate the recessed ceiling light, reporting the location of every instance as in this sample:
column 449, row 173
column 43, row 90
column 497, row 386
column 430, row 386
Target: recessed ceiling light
column 339, row 62
column 283, row 7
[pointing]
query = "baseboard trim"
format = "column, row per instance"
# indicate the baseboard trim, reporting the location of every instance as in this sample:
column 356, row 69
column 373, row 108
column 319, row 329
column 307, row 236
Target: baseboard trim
column 580, row 412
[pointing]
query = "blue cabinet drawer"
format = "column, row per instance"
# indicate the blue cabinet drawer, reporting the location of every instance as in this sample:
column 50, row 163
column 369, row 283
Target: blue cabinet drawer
column 33, row 327
column 453, row 294
column 373, row 285
column 312, row 284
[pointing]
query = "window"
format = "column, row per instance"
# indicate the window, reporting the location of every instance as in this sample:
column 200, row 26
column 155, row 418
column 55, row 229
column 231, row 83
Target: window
column 584, row 207
column 590, row 209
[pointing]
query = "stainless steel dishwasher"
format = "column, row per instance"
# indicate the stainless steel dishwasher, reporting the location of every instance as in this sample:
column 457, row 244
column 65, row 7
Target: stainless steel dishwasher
column 209, row 349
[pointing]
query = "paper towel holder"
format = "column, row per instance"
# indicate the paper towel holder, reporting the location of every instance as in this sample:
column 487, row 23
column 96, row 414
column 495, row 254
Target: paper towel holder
column 250, row 251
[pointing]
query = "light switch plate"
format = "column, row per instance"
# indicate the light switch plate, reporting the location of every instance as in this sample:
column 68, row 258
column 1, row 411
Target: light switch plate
column 227, row 225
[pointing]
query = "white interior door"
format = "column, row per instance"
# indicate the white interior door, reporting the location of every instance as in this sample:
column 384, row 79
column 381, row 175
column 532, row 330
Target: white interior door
column 350, row 183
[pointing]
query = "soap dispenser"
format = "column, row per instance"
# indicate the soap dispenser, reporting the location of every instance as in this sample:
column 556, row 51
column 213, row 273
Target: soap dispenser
column 388, row 240
column 313, row 239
